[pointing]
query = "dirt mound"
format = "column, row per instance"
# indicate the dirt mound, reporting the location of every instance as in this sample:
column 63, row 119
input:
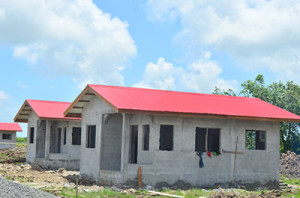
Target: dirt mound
column 82, row 180
column 271, row 194
column 17, row 154
column 290, row 164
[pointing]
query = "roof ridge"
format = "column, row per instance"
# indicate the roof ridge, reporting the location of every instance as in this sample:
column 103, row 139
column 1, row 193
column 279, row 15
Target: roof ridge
column 49, row 101
column 180, row 92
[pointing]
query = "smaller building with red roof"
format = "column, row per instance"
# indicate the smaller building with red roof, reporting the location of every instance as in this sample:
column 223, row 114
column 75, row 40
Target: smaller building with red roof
column 8, row 134
column 53, row 140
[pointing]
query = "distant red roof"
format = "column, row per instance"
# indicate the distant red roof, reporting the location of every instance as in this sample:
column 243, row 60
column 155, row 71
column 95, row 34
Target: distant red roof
column 44, row 110
column 10, row 127
column 150, row 101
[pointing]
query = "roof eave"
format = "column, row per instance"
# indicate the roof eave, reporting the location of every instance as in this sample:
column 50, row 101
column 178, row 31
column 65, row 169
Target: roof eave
column 87, row 88
column 20, row 111
column 198, row 115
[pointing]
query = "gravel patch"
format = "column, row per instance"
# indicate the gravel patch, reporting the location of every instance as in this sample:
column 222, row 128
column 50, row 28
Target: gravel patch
column 9, row 189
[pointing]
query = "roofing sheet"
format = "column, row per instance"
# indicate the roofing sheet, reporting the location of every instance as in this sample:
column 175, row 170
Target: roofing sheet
column 10, row 127
column 128, row 98
column 50, row 109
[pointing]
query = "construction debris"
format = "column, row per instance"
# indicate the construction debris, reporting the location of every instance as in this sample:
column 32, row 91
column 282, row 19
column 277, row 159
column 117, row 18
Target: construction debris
column 14, row 155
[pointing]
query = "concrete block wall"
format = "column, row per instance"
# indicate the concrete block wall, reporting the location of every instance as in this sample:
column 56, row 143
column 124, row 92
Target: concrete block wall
column 111, row 143
column 31, row 147
column 69, row 157
column 90, row 157
column 183, row 164
column 12, row 140
column 73, row 151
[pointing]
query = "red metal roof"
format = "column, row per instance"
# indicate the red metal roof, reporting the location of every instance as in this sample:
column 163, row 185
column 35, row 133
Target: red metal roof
column 49, row 109
column 44, row 110
column 139, row 99
column 10, row 127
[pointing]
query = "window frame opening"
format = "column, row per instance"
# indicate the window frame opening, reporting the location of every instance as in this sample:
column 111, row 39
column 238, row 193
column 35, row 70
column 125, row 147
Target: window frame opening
column 76, row 141
column 6, row 136
column 91, row 136
column 255, row 140
column 65, row 136
column 208, row 139
column 31, row 135
column 166, row 137
column 146, row 137
column 133, row 146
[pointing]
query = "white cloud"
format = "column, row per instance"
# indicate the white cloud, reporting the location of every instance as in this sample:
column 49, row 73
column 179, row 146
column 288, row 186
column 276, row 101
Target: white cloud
column 62, row 37
column 204, row 74
column 3, row 95
column 201, row 76
column 258, row 34
column 160, row 75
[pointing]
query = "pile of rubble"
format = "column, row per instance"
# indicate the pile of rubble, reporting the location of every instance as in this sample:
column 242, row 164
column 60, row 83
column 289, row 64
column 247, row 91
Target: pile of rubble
column 290, row 164
column 17, row 154
column 263, row 194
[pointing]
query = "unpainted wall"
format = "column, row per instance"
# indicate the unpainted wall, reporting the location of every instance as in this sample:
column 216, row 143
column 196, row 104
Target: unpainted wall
column 111, row 143
column 69, row 155
column 31, row 147
column 41, row 138
column 13, row 140
column 90, row 157
column 183, row 164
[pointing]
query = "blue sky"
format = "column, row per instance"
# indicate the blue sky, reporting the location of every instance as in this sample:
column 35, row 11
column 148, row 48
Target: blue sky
column 50, row 50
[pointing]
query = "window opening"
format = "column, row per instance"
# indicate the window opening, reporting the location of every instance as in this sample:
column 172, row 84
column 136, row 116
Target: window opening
column 31, row 140
column 6, row 136
column 207, row 140
column 59, row 140
column 65, row 136
column 146, row 136
column 166, row 137
column 91, row 136
column 76, row 136
column 133, row 144
column 255, row 140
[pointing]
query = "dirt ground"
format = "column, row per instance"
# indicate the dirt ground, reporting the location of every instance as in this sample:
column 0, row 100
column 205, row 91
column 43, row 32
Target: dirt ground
column 17, row 154
column 37, row 177
column 290, row 164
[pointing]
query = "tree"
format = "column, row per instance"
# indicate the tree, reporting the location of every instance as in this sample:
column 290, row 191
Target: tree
column 286, row 96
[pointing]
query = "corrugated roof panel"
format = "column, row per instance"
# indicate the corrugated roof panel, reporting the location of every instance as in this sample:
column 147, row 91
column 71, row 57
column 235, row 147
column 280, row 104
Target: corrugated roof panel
column 50, row 109
column 10, row 127
column 127, row 98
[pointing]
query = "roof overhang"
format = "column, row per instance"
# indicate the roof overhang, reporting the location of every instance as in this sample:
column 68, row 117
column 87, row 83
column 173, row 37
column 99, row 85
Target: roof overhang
column 76, row 108
column 23, row 113
column 209, row 116
column 10, row 131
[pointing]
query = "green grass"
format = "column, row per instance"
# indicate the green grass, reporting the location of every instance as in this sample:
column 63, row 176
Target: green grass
column 292, row 181
column 70, row 192
column 293, row 193
column 9, row 178
column 196, row 193
column 21, row 141
column 2, row 171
